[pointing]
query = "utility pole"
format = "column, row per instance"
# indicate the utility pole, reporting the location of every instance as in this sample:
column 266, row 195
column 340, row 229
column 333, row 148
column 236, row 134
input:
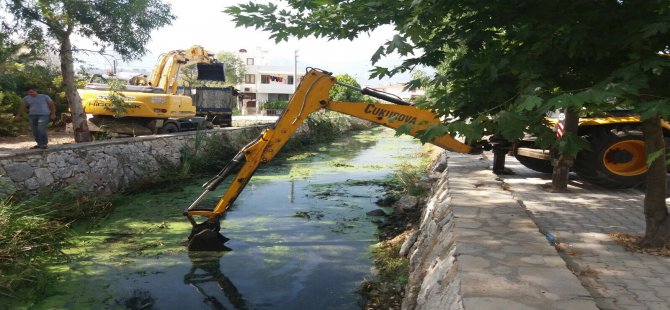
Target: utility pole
column 295, row 71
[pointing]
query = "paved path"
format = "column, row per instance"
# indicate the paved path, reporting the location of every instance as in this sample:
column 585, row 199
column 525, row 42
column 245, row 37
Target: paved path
column 581, row 221
column 502, row 260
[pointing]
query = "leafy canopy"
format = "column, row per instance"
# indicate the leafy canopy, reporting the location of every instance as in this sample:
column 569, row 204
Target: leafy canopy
column 123, row 25
column 501, row 65
column 341, row 93
column 234, row 66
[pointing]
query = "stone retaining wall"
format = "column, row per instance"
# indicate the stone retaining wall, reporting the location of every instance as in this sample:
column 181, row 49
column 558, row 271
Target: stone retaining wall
column 111, row 166
column 108, row 166
column 433, row 281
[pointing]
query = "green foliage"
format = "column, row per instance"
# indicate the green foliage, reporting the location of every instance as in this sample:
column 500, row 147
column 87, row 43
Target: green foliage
column 124, row 26
column 408, row 177
column 17, row 71
column 571, row 144
column 116, row 99
column 32, row 233
column 341, row 93
column 236, row 110
column 234, row 66
column 324, row 126
column 654, row 156
column 11, row 128
column 384, row 291
column 279, row 104
column 501, row 65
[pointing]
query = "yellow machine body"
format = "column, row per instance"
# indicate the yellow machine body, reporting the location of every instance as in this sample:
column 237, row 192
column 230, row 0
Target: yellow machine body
column 138, row 104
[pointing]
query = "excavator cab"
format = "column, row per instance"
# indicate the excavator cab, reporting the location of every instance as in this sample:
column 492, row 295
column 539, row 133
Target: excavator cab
column 310, row 96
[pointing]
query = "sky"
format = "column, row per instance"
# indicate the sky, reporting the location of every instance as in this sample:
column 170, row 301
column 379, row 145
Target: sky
column 205, row 24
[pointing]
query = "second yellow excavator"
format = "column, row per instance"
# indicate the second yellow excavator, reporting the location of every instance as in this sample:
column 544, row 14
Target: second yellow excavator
column 310, row 96
column 151, row 104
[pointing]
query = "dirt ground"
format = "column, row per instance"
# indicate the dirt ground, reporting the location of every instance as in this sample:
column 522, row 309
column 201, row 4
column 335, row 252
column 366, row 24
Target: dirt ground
column 26, row 140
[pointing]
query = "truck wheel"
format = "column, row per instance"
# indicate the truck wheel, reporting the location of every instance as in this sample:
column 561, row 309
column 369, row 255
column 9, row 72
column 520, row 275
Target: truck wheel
column 617, row 159
column 169, row 128
column 539, row 165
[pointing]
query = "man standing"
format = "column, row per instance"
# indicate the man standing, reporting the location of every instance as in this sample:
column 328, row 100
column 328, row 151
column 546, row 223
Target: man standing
column 40, row 109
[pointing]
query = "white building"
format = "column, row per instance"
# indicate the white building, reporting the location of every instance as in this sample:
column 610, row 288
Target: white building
column 398, row 89
column 264, row 82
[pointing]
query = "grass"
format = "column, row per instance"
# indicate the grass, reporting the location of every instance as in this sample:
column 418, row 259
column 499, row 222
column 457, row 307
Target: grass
column 33, row 232
column 386, row 289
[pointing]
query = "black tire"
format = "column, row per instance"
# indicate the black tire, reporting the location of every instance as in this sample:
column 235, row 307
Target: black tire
column 617, row 158
column 169, row 128
column 539, row 165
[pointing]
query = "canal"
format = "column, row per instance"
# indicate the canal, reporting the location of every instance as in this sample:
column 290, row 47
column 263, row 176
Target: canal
column 300, row 236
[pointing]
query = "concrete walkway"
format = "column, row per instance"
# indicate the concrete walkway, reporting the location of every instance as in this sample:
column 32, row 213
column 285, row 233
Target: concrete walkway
column 581, row 220
column 578, row 221
column 502, row 258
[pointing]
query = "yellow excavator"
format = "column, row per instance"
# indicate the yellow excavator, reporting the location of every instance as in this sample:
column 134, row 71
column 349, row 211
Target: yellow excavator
column 616, row 157
column 310, row 96
column 151, row 104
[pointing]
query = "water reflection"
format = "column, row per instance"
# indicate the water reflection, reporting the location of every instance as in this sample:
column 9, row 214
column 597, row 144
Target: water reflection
column 206, row 268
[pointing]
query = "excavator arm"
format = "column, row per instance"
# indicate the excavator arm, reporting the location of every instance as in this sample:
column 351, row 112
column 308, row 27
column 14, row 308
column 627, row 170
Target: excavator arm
column 310, row 96
column 164, row 74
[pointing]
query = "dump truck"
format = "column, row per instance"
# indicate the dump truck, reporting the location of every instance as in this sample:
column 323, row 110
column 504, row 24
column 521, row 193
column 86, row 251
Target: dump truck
column 215, row 104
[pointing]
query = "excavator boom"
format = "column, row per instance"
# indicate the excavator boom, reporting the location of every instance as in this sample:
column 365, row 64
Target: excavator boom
column 310, row 96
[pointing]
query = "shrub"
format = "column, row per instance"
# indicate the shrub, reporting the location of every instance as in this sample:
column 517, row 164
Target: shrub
column 275, row 105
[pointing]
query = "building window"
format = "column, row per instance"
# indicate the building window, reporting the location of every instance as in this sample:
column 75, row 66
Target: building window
column 249, row 79
column 265, row 79
column 278, row 97
column 250, row 61
column 290, row 80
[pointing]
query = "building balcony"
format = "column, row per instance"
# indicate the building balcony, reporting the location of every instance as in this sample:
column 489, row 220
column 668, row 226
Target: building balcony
column 275, row 88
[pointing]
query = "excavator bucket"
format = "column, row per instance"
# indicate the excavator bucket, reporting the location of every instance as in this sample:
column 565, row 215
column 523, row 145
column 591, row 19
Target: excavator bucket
column 211, row 72
column 206, row 237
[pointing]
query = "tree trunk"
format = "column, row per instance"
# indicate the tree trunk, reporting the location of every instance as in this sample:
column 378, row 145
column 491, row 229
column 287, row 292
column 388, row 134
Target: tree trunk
column 560, row 174
column 79, row 125
column 657, row 231
column 562, row 165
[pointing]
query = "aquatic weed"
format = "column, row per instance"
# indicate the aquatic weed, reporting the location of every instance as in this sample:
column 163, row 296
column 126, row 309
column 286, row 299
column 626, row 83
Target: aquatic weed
column 32, row 233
